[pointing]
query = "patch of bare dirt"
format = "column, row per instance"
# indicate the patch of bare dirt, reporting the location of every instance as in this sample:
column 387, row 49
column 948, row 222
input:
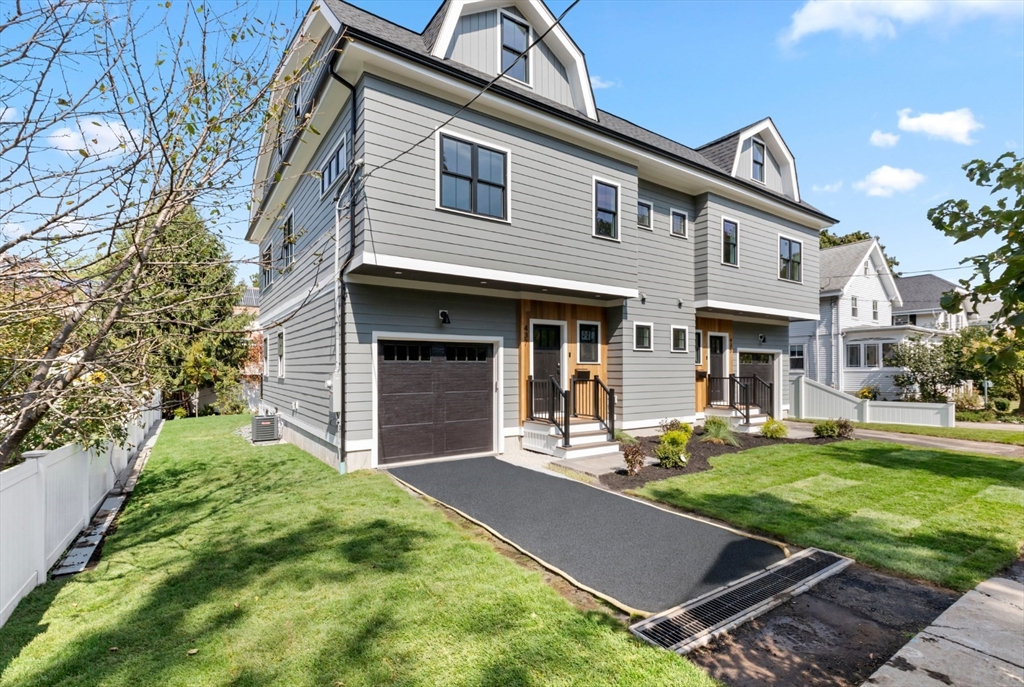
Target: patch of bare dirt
column 838, row 633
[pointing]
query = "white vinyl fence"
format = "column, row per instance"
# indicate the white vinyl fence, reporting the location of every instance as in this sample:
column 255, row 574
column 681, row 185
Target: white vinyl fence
column 811, row 400
column 48, row 499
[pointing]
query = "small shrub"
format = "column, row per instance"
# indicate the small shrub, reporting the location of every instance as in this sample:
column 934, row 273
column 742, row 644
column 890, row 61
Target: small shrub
column 718, row 431
column 180, row 412
column 206, row 411
column 1001, row 404
column 869, row 393
column 977, row 416
column 671, row 426
column 773, row 429
column 834, row 429
column 966, row 400
column 845, row 428
column 634, row 457
column 671, row 450
column 625, row 439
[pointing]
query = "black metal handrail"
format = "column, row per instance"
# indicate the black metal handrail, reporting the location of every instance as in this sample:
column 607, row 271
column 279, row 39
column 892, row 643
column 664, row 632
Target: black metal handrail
column 593, row 398
column 763, row 394
column 739, row 397
column 546, row 400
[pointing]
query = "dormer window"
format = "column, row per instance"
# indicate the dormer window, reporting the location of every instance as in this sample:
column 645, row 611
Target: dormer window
column 757, row 167
column 515, row 37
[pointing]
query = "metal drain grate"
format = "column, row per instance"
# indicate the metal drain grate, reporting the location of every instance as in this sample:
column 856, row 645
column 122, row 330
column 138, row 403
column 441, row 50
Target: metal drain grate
column 696, row 622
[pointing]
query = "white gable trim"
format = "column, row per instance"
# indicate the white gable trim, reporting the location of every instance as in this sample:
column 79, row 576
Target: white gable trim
column 540, row 19
column 766, row 132
column 885, row 275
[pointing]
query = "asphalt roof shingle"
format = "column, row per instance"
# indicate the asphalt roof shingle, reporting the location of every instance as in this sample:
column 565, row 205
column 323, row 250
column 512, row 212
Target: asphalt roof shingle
column 250, row 298
column 922, row 292
column 839, row 263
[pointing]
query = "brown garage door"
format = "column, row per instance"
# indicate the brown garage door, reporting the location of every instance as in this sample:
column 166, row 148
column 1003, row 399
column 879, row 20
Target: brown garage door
column 435, row 399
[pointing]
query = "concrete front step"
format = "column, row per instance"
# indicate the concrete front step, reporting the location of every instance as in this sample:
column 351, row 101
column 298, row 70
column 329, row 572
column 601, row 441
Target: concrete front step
column 595, row 466
column 586, row 450
column 585, row 438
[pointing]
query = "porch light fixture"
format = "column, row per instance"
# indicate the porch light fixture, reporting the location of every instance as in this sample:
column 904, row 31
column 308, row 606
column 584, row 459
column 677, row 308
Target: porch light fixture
column 762, row 338
column 443, row 316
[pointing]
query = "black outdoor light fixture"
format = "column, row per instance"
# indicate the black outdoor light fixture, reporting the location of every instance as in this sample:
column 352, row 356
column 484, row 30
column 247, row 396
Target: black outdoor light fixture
column 762, row 338
column 443, row 315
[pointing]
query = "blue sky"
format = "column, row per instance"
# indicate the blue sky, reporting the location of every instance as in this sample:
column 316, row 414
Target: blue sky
column 694, row 71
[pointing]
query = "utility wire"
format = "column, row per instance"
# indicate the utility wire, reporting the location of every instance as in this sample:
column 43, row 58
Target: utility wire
column 475, row 97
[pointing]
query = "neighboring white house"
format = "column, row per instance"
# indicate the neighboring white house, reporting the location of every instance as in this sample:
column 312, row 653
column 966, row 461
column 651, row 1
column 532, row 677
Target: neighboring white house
column 922, row 307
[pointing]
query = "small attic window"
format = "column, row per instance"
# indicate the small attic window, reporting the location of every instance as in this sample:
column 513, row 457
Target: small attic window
column 867, row 269
column 757, row 161
column 515, row 37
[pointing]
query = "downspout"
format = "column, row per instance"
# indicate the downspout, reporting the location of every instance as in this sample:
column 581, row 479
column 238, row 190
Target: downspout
column 836, row 353
column 338, row 381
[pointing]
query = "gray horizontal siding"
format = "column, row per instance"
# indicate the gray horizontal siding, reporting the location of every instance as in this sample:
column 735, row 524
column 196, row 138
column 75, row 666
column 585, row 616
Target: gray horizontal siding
column 376, row 308
column 550, row 233
column 756, row 281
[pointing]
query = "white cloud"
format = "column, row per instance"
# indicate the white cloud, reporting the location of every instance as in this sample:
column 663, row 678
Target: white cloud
column 97, row 137
column 11, row 230
column 870, row 19
column 8, row 114
column 884, row 140
column 597, row 82
column 887, row 180
column 827, row 188
column 955, row 125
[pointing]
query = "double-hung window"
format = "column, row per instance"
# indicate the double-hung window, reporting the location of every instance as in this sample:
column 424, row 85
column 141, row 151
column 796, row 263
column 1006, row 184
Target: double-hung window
column 644, row 215
column 287, row 243
column 757, row 161
column 853, row 306
column 606, row 210
column 680, row 339
column 790, row 259
column 643, row 337
column 297, row 101
column 853, row 355
column 473, row 178
column 871, row 355
column 515, row 38
column 796, row 356
column 874, row 310
column 590, row 343
column 334, row 167
column 679, row 224
column 730, row 242
column 267, row 266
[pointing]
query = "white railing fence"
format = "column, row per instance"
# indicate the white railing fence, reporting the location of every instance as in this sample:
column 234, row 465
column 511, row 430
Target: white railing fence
column 810, row 400
column 49, row 498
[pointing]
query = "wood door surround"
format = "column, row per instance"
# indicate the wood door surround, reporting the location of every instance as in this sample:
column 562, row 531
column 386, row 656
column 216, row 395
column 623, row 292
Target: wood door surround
column 572, row 314
column 710, row 325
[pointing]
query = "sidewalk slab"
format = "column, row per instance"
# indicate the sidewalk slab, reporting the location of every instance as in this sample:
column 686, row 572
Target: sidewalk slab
column 977, row 641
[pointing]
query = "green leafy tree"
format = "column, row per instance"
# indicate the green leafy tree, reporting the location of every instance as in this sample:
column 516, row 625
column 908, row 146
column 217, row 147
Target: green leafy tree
column 1007, row 377
column 929, row 370
column 999, row 273
column 828, row 240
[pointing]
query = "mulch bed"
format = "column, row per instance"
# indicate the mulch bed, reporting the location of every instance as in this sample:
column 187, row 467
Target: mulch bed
column 700, row 453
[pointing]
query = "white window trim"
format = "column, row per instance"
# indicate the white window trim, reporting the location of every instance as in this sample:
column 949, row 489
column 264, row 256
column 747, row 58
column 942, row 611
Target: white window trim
column 266, row 354
column 854, row 307
column 779, row 249
column 579, row 344
column 289, row 222
column 860, row 357
column 593, row 209
column 480, row 142
column 342, row 173
column 643, row 324
column 282, row 349
column 802, row 356
column 874, row 311
column 721, row 242
column 650, row 206
column 530, row 38
column 728, row 352
column 672, row 339
column 764, row 165
column 269, row 270
column 672, row 212
column 699, row 359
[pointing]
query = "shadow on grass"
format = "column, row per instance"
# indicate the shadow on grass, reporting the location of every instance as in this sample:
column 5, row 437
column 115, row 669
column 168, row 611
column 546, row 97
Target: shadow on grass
column 934, row 460
column 953, row 558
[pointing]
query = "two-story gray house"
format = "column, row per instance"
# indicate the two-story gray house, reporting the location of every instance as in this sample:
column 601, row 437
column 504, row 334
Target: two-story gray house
column 451, row 272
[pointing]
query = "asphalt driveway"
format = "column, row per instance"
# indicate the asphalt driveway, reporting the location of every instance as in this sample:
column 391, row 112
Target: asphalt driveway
column 642, row 556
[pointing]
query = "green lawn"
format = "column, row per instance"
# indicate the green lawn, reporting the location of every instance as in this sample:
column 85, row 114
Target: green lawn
column 278, row 571
column 951, row 518
column 1013, row 434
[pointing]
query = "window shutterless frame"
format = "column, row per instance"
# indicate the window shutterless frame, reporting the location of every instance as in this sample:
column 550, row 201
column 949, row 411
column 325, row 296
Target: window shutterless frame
column 853, row 306
column 874, row 310
column 730, row 242
column 335, row 166
column 791, row 259
column 515, row 39
column 645, row 214
column 588, row 352
column 472, row 177
column 267, row 266
column 287, row 242
column 280, row 354
column 698, row 347
column 758, row 155
column 607, row 209
column 679, row 223
column 853, row 355
column 679, row 335
column 796, row 356
column 643, row 336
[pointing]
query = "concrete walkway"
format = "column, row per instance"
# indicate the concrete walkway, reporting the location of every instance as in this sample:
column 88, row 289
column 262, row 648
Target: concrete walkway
column 801, row 430
column 979, row 640
column 1003, row 426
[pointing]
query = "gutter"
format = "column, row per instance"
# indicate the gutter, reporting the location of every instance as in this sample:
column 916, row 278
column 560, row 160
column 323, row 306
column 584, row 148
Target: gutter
column 436, row 65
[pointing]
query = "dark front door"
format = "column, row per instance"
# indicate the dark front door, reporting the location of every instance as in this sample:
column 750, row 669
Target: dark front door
column 547, row 363
column 434, row 399
column 718, row 384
